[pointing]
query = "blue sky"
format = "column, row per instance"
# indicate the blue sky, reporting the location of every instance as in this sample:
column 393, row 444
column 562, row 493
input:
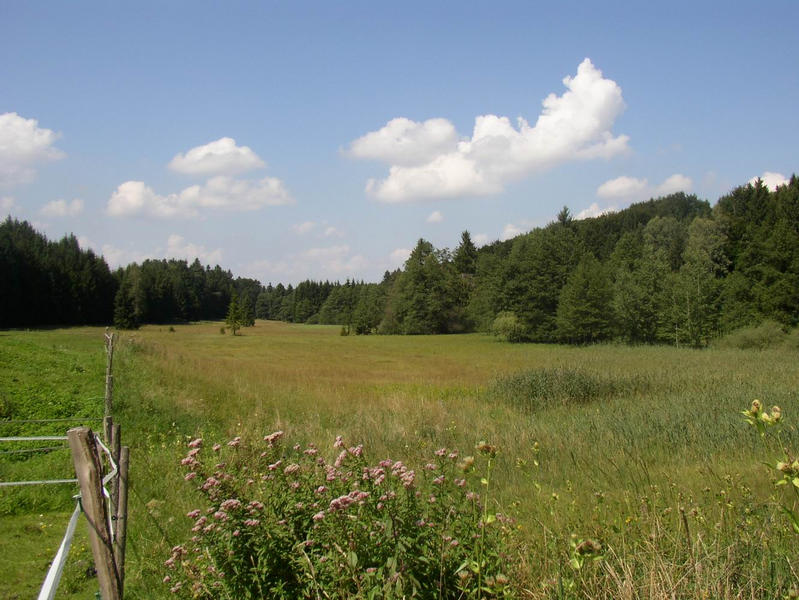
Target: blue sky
column 288, row 140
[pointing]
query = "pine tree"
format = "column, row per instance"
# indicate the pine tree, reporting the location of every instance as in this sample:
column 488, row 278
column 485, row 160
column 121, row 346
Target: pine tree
column 234, row 314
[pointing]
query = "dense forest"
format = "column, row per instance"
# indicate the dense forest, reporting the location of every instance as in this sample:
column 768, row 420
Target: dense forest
column 670, row 270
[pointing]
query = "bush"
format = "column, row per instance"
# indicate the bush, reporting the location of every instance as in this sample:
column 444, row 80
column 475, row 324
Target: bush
column 768, row 334
column 506, row 326
column 289, row 524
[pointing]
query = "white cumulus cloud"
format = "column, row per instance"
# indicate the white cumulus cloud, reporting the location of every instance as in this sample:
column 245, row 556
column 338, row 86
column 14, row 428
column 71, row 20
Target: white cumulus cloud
column 771, row 180
column 7, row 204
column 62, row 208
column 135, row 198
column 510, row 231
column 405, row 142
column 435, row 217
column 178, row 247
column 398, row 256
column 303, row 228
column 622, row 187
column 675, row 183
column 23, row 145
column 427, row 161
column 631, row 189
column 480, row 239
column 221, row 157
column 594, row 211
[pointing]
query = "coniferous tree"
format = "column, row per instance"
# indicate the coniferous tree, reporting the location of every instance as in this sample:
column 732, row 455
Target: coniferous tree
column 234, row 319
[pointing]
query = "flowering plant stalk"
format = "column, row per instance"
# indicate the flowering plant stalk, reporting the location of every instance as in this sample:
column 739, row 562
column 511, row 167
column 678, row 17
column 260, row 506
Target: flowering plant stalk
column 285, row 522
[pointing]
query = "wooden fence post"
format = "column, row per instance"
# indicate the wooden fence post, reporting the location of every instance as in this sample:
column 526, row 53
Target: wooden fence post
column 88, row 468
column 122, row 515
column 109, row 376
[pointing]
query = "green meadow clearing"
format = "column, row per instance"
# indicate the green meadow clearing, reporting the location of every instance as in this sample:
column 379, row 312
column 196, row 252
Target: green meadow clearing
column 643, row 449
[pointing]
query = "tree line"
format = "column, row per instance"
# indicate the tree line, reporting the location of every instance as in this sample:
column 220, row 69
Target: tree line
column 670, row 270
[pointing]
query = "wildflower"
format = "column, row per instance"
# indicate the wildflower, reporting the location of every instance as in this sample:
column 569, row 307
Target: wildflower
column 196, row 443
column 340, row 459
column 339, row 443
column 441, row 452
column 217, row 447
column 291, row 469
column 312, row 451
column 220, row 515
column 273, row 438
column 231, row 504
column 193, row 452
column 275, row 465
column 460, row 482
column 321, row 489
column 467, row 464
column 175, row 588
column 453, row 455
column 430, row 467
column 408, row 479
column 209, row 483
column 193, row 514
column 190, row 475
column 438, row 480
column 486, row 448
column 234, row 443
column 255, row 505
column 319, row 516
column 357, row 451
column 167, row 579
column 776, row 414
column 472, row 496
column 188, row 461
column 236, row 533
column 432, row 499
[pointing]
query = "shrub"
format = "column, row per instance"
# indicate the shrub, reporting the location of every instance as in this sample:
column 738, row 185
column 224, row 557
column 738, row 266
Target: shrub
column 506, row 326
column 766, row 335
column 286, row 523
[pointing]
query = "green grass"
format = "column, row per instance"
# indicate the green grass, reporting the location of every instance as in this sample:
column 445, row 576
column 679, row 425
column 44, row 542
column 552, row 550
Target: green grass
column 611, row 442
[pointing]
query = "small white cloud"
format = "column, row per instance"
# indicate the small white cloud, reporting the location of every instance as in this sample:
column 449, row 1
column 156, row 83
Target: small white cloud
column 594, row 211
column 435, row 217
column 119, row 257
column 303, row 228
column 23, row 145
column 675, row 183
column 622, row 187
column 510, row 231
column 629, row 189
column 398, row 256
column 771, row 180
column 425, row 161
column 333, row 232
column 62, row 208
column 135, row 198
column 178, row 247
column 7, row 204
column 480, row 239
column 222, row 157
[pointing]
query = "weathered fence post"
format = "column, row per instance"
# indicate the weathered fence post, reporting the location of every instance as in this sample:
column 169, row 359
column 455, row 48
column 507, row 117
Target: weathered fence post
column 88, row 468
column 122, row 514
column 109, row 376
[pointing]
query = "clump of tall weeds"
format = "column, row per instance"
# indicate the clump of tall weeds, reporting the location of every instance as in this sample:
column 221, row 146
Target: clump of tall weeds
column 283, row 521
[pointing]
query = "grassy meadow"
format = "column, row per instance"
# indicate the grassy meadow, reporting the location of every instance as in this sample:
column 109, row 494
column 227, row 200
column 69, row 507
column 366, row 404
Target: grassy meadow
column 643, row 449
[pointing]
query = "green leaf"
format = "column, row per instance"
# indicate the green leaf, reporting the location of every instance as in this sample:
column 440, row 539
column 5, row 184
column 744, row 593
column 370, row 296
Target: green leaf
column 484, row 481
column 795, row 482
column 490, row 518
column 352, row 559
